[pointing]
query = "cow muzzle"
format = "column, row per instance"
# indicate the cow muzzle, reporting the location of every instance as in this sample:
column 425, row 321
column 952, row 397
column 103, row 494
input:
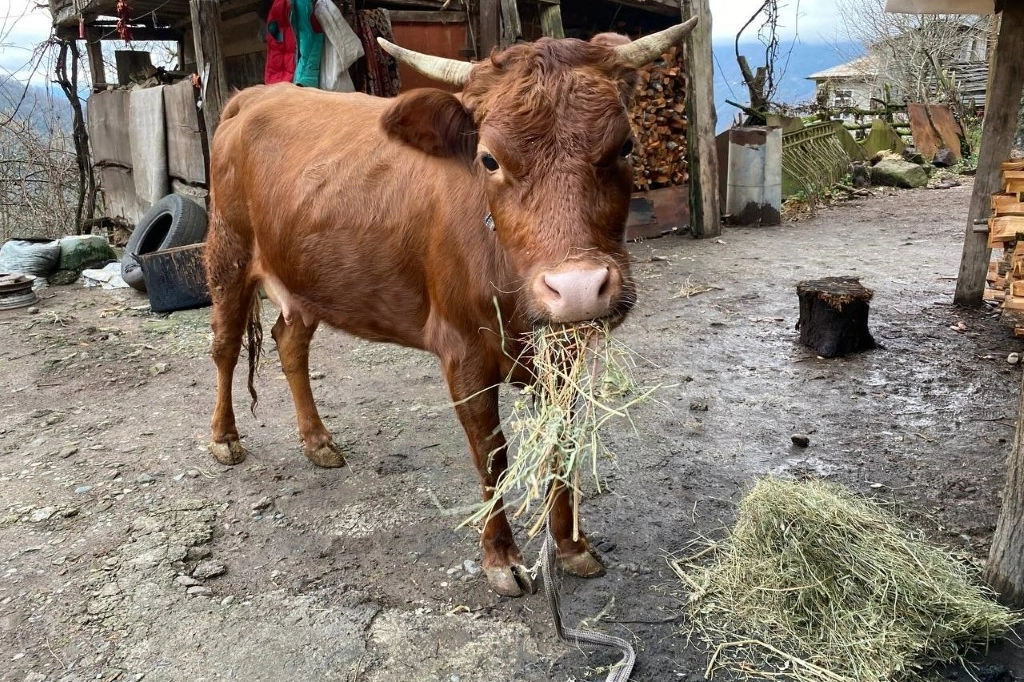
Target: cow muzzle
column 578, row 291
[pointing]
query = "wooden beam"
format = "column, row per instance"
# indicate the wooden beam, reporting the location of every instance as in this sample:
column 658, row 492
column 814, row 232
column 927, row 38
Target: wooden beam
column 1004, row 571
column 1002, row 105
column 511, row 26
column 426, row 17
column 669, row 8
column 94, row 48
column 705, row 202
column 551, row 21
column 209, row 60
column 489, row 30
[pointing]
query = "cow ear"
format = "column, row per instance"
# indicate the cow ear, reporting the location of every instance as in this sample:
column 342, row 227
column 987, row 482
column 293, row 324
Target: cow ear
column 609, row 39
column 433, row 121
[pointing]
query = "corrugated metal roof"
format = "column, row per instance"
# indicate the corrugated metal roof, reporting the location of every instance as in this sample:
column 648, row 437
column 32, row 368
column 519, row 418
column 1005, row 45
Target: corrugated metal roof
column 858, row 68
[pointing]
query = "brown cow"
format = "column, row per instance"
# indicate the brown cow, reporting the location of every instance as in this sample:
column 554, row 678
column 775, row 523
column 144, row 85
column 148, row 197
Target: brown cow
column 416, row 219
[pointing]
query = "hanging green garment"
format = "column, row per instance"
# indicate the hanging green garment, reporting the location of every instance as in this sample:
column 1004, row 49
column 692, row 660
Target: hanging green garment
column 310, row 39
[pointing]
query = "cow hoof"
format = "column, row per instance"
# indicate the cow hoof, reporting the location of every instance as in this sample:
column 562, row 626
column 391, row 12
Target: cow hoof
column 511, row 581
column 583, row 565
column 229, row 453
column 326, row 456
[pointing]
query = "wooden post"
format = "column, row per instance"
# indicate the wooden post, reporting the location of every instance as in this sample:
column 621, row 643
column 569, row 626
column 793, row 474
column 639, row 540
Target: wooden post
column 511, row 26
column 551, row 20
column 1005, row 569
column 489, row 30
column 1002, row 105
column 209, row 60
column 94, row 48
column 705, row 203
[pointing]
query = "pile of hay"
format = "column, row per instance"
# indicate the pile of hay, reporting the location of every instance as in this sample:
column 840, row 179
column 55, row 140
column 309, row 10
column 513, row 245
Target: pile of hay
column 582, row 378
column 816, row 584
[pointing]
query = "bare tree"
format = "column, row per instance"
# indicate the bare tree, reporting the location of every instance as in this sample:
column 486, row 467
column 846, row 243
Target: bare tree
column 912, row 55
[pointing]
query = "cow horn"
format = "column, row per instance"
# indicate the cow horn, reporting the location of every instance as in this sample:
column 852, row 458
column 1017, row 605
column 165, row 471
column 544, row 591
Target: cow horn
column 450, row 71
column 645, row 50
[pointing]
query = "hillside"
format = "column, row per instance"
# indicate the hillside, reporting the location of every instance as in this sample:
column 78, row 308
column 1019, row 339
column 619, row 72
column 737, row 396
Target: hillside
column 803, row 60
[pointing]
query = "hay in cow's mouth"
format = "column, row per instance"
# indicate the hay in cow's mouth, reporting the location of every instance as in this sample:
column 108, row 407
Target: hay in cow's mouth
column 816, row 584
column 582, row 378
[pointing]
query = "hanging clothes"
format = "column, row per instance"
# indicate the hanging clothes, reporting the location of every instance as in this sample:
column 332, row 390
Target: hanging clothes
column 341, row 48
column 309, row 37
column 280, row 67
column 378, row 73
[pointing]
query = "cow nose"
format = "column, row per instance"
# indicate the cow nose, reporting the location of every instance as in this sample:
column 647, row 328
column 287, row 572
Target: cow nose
column 575, row 294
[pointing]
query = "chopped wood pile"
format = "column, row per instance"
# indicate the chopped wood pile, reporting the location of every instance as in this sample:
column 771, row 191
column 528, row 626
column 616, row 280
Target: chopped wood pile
column 1005, row 278
column 659, row 122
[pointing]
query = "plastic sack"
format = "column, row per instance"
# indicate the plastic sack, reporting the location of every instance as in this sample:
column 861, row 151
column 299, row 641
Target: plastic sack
column 341, row 48
column 30, row 257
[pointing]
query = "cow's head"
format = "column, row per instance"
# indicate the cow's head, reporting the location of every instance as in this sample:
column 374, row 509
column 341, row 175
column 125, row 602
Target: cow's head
column 546, row 128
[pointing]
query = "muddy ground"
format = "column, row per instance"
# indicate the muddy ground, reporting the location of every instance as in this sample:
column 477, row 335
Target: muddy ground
column 127, row 553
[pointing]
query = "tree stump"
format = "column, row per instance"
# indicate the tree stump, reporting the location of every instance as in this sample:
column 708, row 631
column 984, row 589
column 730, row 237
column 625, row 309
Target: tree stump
column 834, row 315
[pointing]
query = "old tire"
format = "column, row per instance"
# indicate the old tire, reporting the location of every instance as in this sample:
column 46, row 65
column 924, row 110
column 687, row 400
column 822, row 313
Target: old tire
column 172, row 221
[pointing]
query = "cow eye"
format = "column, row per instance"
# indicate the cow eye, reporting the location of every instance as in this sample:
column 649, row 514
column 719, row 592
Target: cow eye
column 627, row 148
column 489, row 162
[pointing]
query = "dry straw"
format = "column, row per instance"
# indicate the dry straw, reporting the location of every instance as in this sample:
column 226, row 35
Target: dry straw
column 816, row 584
column 582, row 378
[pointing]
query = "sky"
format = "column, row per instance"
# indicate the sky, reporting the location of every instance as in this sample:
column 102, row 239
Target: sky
column 23, row 26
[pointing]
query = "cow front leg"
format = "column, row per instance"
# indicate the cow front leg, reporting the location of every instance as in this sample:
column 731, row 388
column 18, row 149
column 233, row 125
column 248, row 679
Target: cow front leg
column 293, row 350
column 475, row 393
column 576, row 557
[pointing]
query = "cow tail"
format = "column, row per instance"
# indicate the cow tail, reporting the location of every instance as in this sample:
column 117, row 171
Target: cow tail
column 254, row 345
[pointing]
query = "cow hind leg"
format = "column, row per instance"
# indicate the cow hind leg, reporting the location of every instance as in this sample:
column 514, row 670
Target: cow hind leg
column 576, row 557
column 232, row 292
column 293, row 349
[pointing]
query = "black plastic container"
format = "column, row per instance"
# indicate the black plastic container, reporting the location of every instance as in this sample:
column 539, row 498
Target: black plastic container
column 175, row 278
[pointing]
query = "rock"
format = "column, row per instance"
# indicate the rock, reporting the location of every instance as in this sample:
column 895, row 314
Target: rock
column 110, row 590
column 32, row 310
column 944, row 158
column 228, row 600
column 67, row 451
column 861, row 174
column 316, row 375
column 197, row 553
column 42, row 514
column 261, row 504
column 187, row 581
column 158, row 368
column 471, row 567
column 208, row 569
column 800, row 440
column 199, row 591
column 35, row 677
column 911, row 155
column 1013, row 358
column 143, row 479
column 82, row 489
column 698, row 406
column 897, row 173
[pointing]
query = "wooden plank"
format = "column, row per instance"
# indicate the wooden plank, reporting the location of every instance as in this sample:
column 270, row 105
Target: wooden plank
column 427, row 17
column 511, row 26
column 705, row 206
column 185, row 159
column 551, row 21
column 133, row 65
column 489, row 28
column 926, row 138
column 949, row 130
column 108, row 128
column 1003, row 229
column 1007, row 204
column 209, row 60
column 1014, row 186
column 119, row 198
column 998, row 129
column 669, row 8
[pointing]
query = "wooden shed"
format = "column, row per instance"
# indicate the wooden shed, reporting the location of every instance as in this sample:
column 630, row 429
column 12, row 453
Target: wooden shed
column 150, row 128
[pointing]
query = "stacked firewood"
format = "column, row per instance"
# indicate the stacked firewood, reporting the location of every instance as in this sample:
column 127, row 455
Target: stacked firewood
column 659, row 122
column 1005, row 281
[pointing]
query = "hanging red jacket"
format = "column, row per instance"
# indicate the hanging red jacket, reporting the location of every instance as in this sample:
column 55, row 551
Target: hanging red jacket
column 280, row 44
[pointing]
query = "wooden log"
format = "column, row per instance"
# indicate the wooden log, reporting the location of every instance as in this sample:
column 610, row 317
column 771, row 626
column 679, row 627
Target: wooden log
column 209, row 60
column 834, row 316
column 1004, row 571
column 998, row 129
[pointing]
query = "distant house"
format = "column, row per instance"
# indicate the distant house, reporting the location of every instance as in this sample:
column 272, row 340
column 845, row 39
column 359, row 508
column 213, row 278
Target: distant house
column 849, row 85
column 907, row 66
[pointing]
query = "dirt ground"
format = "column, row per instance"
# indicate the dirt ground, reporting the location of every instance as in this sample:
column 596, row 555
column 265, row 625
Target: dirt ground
column 127, row 552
